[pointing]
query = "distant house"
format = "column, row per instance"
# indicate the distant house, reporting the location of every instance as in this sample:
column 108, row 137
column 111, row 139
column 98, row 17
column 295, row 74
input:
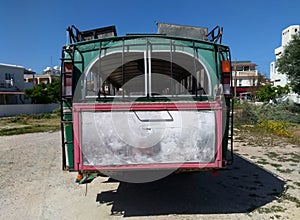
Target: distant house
column 47, row 77
column 244, row 77
column 38, row 79
column 12, row 83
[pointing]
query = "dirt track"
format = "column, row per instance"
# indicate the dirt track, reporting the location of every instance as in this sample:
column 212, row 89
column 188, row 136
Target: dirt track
column 32, row 186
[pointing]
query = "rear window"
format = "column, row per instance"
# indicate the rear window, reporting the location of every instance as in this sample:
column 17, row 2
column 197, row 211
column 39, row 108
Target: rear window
column 139, row 69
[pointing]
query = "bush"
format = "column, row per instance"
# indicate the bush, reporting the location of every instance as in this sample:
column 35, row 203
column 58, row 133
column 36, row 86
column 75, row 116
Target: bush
column 276, row 127
column 278, row 112
column 266, row 115
column 247, row 114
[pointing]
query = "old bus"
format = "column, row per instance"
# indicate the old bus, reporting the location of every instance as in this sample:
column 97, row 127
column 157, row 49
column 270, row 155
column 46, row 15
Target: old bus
column 140, row 106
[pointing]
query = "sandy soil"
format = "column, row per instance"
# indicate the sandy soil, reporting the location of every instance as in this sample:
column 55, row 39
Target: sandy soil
column 263, row 183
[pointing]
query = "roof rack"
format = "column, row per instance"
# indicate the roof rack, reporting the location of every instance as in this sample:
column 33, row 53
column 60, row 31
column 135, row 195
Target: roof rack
column 215, row 35
column 201, row 33
column 75, row 35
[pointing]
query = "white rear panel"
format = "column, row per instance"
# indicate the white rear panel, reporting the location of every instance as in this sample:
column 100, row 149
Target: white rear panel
column 145, row 137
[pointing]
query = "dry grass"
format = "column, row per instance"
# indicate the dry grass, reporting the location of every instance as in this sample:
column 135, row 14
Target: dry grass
column 22, row 124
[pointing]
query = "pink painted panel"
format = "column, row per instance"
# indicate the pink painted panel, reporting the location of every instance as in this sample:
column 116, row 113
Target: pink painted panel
column 80, row 149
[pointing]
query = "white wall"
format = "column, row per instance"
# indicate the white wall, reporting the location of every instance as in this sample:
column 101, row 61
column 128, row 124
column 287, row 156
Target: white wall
column 17, row 72
column 286, row 35
column 245, row 78
column 11, row 110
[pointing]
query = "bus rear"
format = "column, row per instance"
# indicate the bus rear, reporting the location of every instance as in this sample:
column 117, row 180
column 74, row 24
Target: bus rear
column 139, row 107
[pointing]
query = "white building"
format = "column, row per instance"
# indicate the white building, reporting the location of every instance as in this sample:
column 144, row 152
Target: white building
column 277, row 78
column 12, row 83
column 244, row 77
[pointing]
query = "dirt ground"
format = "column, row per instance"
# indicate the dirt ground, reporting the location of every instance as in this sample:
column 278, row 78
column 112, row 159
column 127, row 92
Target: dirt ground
column 263, row 183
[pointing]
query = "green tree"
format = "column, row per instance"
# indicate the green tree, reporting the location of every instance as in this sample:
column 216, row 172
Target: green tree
column 289, row 63
column 268, row 92
column 44, row 93
column 261, row 81
column 53, row 90
column 282, row 90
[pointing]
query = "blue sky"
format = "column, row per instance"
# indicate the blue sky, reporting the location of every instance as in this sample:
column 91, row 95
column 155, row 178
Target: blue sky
column 33, row 31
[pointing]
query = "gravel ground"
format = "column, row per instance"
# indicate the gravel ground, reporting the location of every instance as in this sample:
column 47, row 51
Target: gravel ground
column 263, row 183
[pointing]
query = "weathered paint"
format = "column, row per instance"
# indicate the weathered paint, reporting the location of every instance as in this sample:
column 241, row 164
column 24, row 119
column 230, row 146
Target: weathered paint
column 104, row 143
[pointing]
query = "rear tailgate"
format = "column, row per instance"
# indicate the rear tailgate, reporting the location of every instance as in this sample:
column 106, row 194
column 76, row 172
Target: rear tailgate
column 133, row 136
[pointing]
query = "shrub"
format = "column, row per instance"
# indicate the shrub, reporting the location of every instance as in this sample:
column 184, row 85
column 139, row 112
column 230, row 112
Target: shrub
column 278, row 112
column 247, row 114
column 276, row 127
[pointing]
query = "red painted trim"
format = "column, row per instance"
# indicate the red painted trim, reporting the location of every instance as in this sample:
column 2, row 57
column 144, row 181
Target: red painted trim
column 219, row 137
column 76, row 140
column 193, row 165
column 146, row 106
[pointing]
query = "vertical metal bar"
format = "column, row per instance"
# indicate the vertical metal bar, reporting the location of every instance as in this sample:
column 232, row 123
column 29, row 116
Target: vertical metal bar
column 149, row 63
column 217, row 65
column 62, row 127
column 85, row 79
column 194, row 87
column 232, row 110
column 171, row 66
column 98, row 74
column 231, row 130
column 123, row 78
column 146, row 71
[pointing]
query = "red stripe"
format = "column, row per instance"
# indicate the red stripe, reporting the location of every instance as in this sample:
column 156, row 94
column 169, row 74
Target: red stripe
column 193, row 165
column 147, row 106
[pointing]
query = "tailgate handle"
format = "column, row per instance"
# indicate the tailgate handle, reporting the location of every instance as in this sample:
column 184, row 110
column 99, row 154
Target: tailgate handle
column 155, row 120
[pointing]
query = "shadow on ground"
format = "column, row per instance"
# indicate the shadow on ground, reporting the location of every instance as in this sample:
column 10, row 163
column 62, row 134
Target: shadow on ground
column 241, row 189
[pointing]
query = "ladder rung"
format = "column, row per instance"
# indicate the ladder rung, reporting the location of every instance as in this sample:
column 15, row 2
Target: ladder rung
column 66, row 97
column 67, row 121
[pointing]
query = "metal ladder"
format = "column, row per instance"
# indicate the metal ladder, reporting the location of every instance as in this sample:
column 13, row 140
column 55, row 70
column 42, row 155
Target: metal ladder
column 65, row 111
column 230, row 130
column 66, row 101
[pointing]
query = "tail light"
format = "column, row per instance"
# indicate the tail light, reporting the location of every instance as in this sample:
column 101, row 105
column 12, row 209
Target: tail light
column 226, row 77
column 68, row 68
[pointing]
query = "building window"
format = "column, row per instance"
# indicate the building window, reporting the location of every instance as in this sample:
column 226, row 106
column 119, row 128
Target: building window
column 239, row 68
column 246, row 68
column 8, row 76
